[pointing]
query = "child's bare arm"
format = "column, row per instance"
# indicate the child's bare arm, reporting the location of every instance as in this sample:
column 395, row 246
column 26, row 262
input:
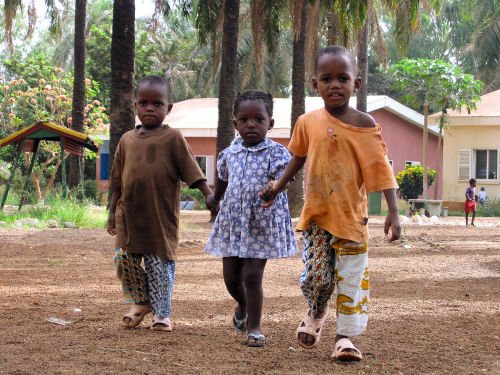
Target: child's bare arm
column 392, row 218
column 269, row 192
column 112, row 209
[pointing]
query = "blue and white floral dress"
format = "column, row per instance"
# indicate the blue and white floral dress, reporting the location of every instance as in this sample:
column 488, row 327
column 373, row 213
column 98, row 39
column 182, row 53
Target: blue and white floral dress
column 243, row 228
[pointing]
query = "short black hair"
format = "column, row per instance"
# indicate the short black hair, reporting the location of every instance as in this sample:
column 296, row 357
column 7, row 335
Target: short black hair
column 482, row 189
column 267, row 98
column 471, row 181
column 156, row 79
column 335, row 50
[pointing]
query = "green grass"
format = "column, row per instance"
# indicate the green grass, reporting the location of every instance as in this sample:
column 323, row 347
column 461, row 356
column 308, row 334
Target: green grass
column 62, row 210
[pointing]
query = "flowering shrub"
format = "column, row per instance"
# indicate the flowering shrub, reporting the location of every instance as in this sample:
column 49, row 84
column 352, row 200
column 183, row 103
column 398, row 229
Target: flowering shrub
column 411, row 181
column 23, row 104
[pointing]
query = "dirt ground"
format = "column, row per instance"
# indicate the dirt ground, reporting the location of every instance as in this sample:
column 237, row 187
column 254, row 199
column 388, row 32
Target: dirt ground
column 434, row 308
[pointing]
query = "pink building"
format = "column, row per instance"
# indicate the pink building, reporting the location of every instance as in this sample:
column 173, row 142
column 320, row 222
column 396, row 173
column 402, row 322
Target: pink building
column 402, row 130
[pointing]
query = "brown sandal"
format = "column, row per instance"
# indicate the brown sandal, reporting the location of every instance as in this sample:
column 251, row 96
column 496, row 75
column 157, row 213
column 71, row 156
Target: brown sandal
column 135, row 315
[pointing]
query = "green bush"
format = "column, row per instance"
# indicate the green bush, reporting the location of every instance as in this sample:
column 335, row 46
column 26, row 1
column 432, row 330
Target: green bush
column 194, row 194
column 90, row 189
column 491, row 208
column 411, row 181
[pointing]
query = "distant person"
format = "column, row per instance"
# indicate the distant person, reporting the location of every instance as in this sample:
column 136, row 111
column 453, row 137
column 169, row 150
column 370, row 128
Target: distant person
column 347, row 158
column 483, row 197
column 470, row 202
column 149, row 163
column 245, row 234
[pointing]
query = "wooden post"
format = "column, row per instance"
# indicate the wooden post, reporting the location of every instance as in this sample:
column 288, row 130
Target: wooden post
column 33, row 157
column 14, row 167
column 424, row 166
column 63, row 164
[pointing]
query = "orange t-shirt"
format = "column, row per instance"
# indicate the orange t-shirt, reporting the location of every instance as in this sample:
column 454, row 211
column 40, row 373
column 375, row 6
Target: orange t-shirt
column 344, row 163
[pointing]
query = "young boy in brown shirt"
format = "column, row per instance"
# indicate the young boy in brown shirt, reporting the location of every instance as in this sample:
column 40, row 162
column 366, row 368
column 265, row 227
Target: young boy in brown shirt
column 149, row 163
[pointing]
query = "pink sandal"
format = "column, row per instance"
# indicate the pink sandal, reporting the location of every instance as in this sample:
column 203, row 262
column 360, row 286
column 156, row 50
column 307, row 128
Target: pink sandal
column 311, row 327
column 136, row 315
column 161, row 324
column 346, row 351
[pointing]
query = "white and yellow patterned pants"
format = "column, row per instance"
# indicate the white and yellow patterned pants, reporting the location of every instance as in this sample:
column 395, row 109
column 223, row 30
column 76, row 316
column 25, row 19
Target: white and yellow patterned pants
column 331, row 261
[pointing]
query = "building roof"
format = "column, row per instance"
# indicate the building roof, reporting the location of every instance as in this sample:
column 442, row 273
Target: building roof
column 199, row 117
column 487, row 112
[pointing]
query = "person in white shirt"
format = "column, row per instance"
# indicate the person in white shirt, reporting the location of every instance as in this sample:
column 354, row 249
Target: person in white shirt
column 483, row 197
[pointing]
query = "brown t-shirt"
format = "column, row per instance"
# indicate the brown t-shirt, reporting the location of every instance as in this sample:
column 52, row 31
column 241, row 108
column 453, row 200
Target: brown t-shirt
column 147, row 170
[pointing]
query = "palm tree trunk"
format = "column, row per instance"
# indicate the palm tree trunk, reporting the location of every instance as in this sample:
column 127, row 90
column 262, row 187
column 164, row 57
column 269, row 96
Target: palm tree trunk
column 333, row 25
column 77, row 113
column 122, row 72
column 229, row 66
column 296, row 189
column 362, row 95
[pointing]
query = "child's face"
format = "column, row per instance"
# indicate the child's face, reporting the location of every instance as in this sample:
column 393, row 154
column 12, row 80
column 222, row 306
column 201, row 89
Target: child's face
column 152, row 104
column 335, row 80
column 252, row 122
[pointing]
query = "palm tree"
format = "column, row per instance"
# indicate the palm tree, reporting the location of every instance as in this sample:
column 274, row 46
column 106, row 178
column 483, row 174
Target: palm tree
column 77, row 113
column 299, row 21
column 122, row 72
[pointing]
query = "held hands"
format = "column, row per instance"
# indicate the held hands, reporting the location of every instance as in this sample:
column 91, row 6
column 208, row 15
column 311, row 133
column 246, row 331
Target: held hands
column 212, row 205
column 111, row 224
column 268, row 194
column 392, row 221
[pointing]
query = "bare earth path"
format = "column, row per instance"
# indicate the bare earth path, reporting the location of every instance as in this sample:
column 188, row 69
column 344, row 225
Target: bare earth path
column 435, row 308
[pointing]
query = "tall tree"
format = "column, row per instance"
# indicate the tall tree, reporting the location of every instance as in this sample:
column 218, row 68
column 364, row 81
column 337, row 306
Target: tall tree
column 77, row 113
column 299, row 20
column 122, row 72
column 229, row 66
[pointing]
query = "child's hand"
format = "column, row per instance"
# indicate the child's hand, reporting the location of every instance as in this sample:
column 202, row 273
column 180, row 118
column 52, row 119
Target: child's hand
column 212, row 205
column 267, row 194
column 111, row 224
column 392, row 221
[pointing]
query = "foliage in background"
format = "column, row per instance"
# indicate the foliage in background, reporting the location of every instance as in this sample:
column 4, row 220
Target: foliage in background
column 491, row 208
column 193, row 194
column 410, row 181
column 35, row 91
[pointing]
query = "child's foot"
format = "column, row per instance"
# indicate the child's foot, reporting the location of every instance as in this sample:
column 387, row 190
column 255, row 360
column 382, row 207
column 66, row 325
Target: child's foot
column 136, row 315
column 472, row 224
column 257, row 340
column 161, row 324
column 308, row 333
column 346, row 351
column 239, row 324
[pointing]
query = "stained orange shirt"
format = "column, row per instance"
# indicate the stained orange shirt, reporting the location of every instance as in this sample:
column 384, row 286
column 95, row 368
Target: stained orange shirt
column 345, row 162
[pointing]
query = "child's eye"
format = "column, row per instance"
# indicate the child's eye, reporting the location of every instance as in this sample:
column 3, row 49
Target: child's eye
column 325, row 79
column 259, row 119
column 344, row 79
column 158, row 104
column 242, row 119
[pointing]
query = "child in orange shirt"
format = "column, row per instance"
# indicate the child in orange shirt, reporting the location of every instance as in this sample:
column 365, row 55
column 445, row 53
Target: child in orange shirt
column 347, row 158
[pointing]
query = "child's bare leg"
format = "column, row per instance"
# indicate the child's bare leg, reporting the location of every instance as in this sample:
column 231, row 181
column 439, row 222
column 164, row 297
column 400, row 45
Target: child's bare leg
column 232, row 270
column 466, row 219
column 253, row 271
column 473, row 217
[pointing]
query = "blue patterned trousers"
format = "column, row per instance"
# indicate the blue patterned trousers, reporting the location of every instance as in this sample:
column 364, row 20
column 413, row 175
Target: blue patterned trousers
column 151, row 285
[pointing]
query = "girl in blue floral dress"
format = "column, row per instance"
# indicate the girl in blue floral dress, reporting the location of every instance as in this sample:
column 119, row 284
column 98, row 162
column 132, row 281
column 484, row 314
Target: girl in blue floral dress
column 245, row 234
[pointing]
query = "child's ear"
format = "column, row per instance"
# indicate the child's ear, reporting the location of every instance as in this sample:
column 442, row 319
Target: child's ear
column 315, row 83
column 234, row 123
column 169, row 108
column 357, row 83
column 271, row 124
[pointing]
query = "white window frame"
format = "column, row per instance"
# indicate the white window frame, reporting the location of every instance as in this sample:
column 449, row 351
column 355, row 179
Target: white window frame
column 473, row 164
column 410, row 163
column 209, row 168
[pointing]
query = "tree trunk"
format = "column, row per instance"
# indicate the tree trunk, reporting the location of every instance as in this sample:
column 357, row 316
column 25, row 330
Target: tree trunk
column 77, row 113
column 229, row 66
column 333, row 25
column 295, row 191
column 438, row 158
column 122, row 72
column 424, row 166
column 362, row 95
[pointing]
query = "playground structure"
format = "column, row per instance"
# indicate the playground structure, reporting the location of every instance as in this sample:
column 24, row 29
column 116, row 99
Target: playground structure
column 28, row 139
